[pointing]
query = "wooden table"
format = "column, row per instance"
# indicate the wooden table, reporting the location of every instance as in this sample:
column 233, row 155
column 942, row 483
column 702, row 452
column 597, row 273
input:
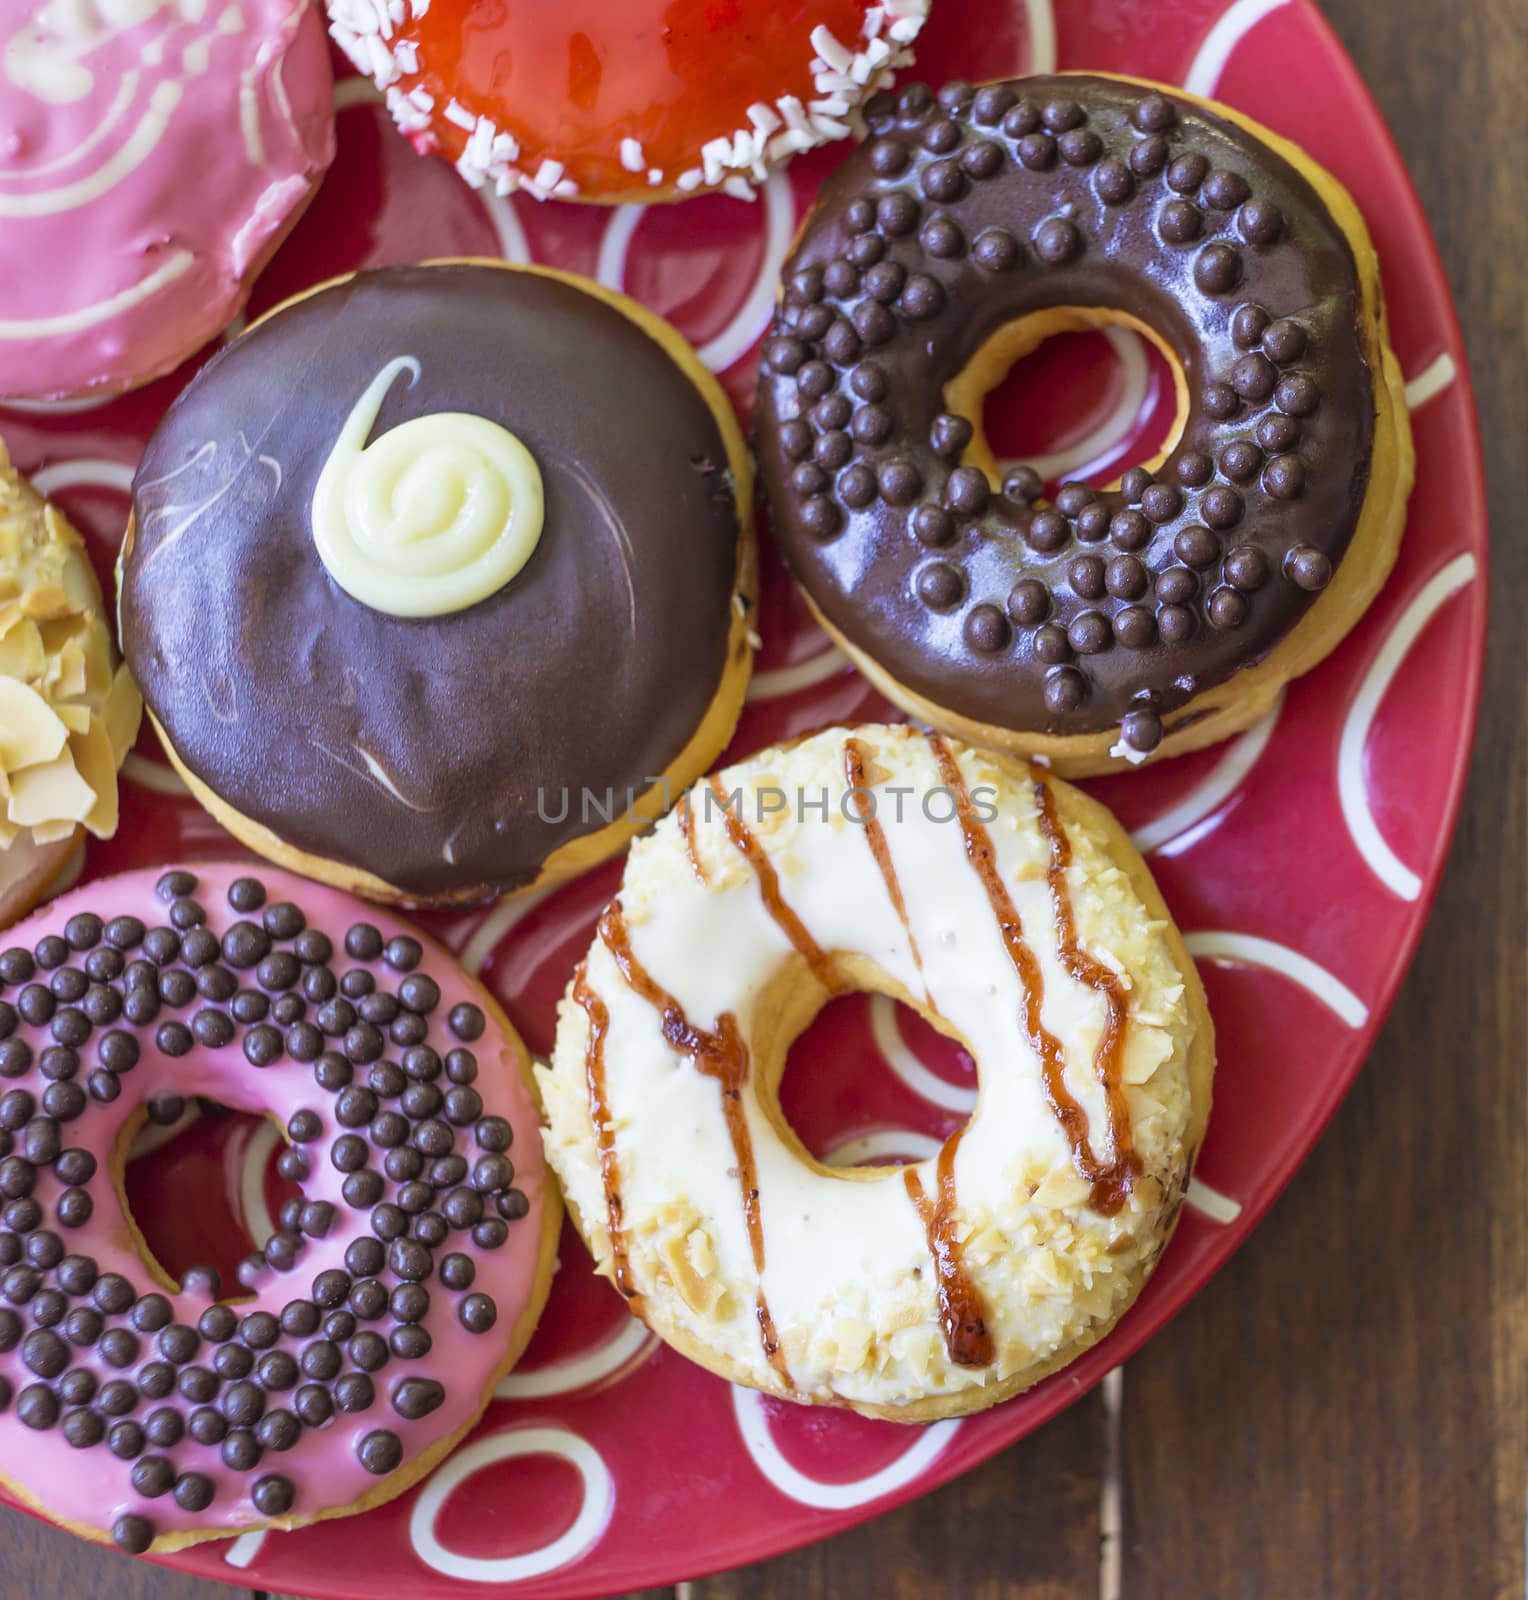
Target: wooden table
column 1344, row 1411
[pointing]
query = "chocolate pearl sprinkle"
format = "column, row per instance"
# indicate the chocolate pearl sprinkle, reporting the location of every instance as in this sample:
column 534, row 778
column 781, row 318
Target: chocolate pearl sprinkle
column 996, row 250
column 240, row 1452
column 1179, row 222
column 1308, row 568
column 186, row 913
column 313, row 1404
column 409, row 1342
column 245, row 894
column 1175, row 623
column 339, row 1324
column 1149, row 156
column 132, row 1534
column 991, row 103
column 231, row 1402
column 414, row 1398
column 1037, row 151
column 380, row 1451
column 51, row 951
column 193, row 1491
column 490, row 1234
column 457, row 1271
column 233, row 1361
column 273, row 1495
column 477, row 1313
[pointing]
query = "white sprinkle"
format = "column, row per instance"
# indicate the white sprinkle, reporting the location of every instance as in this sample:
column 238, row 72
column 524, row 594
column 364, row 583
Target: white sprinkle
column 420, row 7
column 765, row 119
column 474, row 175
column 791, row 109
column 832, row 106
column 834, row 83
column 564, row 189
column 458, row 113
column 689, row 180
column 789, row 143
column 506, row 182
column 505, row 148
column 827, row 128
column 905, row 30
column 480, row 145
column 548, row 175
column 421, row 99
column 406, row 54
column 739, row 189
column 632, row 157
column 713, row 157
column 655, row 176
column 384, row 70
column 831, row 51
column 410, row 118
column 875, row 20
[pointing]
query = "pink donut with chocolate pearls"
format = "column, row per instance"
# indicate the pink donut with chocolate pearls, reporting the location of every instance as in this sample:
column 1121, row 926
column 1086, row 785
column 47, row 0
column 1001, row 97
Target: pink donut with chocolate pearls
column 368, row 1334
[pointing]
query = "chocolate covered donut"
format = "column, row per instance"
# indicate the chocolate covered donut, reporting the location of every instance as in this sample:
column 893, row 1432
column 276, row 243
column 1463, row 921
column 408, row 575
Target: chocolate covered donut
column 1106, row 624
column 436, row 578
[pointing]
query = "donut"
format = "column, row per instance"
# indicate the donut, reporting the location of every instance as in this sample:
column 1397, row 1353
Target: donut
column 68, row 712
column 625, row 100
column 367, row 1336
column 152, row 158
column 1103, row 626
column 1013, row 914
column 504, row 632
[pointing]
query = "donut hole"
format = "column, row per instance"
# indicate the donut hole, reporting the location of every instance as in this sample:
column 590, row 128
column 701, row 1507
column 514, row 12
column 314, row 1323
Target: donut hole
column 226, row 1159
column 871, row 1082
column 1079, row 394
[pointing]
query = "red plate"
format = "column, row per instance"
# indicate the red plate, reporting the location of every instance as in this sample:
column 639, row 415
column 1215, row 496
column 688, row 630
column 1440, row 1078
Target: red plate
column 1300, row 859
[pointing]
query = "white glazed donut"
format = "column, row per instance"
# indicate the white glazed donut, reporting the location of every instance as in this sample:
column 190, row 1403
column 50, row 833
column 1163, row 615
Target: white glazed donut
column 1008, row 909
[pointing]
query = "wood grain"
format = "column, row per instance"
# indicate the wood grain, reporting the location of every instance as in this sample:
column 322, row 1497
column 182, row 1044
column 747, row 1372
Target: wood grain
column 1342, row 1412
column 38, row 1562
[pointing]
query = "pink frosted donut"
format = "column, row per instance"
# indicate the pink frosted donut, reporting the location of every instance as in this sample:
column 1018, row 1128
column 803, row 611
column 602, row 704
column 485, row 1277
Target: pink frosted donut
column 153, row 154
column 394, row 1294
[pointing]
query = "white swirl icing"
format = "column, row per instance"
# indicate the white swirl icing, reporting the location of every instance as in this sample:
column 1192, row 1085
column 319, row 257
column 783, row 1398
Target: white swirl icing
column 432, row 516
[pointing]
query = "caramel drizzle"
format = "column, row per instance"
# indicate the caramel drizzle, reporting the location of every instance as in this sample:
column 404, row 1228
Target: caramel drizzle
column 875, row 836
column 962, row 1311
column 722, row 1055
column 769, row 886
column 604, row 1132
column 1111, row 1183
column 1083, row 968
column 687, row 833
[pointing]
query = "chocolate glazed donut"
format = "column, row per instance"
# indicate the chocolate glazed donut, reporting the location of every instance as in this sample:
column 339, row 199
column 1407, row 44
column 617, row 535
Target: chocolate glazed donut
column 442, row 758
column 1105, row 625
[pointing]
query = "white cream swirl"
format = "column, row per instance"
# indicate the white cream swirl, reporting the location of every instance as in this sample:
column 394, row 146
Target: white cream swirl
column 433, row 516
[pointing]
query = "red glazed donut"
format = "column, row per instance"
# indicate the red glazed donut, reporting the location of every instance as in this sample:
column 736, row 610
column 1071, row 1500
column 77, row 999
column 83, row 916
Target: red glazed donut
column 625, row 99
column 369, row 1333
